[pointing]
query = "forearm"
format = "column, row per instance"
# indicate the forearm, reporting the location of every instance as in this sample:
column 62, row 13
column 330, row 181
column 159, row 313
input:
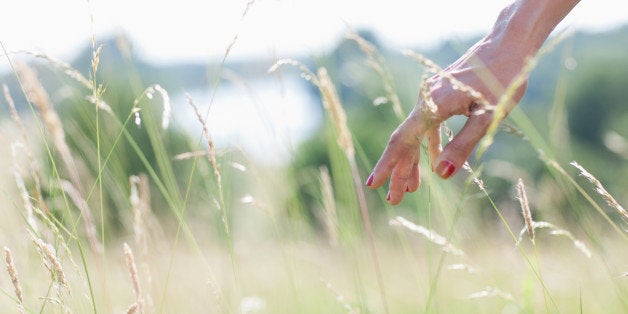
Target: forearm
column 524, row 25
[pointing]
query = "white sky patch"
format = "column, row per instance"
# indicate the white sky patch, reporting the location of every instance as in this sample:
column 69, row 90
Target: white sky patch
column 167, row 31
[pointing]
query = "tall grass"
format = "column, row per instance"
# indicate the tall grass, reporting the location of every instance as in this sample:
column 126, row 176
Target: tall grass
column 211, row 230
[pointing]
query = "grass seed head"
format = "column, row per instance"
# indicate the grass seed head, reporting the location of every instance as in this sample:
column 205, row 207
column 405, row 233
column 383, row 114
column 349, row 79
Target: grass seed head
column 525, row 209
column 14, row 278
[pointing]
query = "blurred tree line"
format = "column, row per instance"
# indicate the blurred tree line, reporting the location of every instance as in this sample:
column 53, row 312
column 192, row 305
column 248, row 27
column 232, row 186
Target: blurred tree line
column 586, row 73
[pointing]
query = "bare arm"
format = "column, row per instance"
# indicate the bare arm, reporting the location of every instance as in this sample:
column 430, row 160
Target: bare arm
column 487, row 67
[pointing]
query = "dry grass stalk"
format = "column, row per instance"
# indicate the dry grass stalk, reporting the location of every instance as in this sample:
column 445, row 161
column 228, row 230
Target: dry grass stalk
column 210, row 143
column 167, row 110
column 599, row 188
column 66, row 68
column 249, row 4
column 212, row 160
column 332, row 105
column 140, row 208
column 491, row 292
column 132, row 309
column 14, row 279
column 102, row 105
column 431, row 235
column 55, row 230
column 466, row 267
column 552, row 163
column 38, row 96
column 58, row 302
column 428, row 106
column 340, row 298
column 51, row 262
column 30, row 210
column 305, row 71
column 33, row 165
column 505, row 101
column 26, row 198
column 191, row 155
column 130, row 262
column 554, row 230
column 476, row 176
column 329, row 204
column 525, row 209
column 149, row 93
column 143, row 222
column 90, row 227
column 377, row 63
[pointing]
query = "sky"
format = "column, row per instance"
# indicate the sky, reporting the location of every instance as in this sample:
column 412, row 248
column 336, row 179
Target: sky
column 166, row 31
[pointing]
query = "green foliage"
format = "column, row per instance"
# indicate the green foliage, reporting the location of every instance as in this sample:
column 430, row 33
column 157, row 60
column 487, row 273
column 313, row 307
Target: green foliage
column 248, row 233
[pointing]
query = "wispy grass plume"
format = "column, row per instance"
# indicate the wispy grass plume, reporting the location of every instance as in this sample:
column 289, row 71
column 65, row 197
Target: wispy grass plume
column 211, row 155
column 21, row 187
column 38, row 96
column 51, row 262
column 431, row 235
column 336, row 113
column 33, row 165
column 329, row 205
column 14, row 279
column 491, row 292
column 525, row 209
column 599, row 188
column 377, row 63
column 86, row 215
column 130, row 263
column 554, row 230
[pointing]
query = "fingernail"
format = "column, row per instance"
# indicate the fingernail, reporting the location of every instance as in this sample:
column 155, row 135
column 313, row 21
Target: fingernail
column 369, row 181
column 445, row 169
column 388, row 196
column 407, row 189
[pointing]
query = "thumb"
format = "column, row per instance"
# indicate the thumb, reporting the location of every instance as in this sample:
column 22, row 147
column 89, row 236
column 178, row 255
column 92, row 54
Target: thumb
column 459, row 149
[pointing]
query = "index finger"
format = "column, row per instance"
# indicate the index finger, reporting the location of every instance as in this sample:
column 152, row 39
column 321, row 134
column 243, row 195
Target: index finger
column 405, row 141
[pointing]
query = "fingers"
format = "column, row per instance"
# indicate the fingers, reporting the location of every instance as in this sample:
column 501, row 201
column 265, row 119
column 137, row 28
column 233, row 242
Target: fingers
column 401, row 174
column 402, row 147
column 415, row 176
column 434, row 147
column 400, row 159
column 458, row 150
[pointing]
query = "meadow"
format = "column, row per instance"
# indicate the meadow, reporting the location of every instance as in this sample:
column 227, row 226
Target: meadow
column 109, row 207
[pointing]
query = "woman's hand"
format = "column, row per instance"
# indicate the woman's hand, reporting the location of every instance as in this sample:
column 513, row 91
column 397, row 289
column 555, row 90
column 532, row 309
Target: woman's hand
column 471, row 86
column 484, row 70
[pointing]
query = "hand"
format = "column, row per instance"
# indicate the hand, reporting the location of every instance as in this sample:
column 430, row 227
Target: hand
column 488, row 68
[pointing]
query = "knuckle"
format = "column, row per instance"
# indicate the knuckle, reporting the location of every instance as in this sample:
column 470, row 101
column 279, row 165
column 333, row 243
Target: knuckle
column 484, row 118
column 398, row 140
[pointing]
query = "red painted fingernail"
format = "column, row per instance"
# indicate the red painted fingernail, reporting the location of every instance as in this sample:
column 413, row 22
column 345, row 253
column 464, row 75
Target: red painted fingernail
column 407, row 189
column 445, row 169
column 369, row 181
column 388, row 196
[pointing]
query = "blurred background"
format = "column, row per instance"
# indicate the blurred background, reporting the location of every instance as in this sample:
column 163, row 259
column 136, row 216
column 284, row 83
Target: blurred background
column 180, row 43
column 267, row 198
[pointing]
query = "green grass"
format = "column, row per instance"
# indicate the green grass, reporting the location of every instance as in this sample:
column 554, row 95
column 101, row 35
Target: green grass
column 216, row 253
